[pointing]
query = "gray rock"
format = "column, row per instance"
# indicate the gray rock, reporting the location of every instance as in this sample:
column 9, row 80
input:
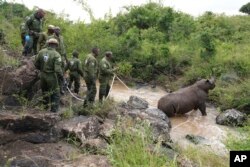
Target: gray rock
column 195, row 138
column 28, row 122
column 230, row 77
column 159, row 122
column 81, row 127
column 95, row 146
column 51, row 136
column 137, row 103
column 231, row 117
column 155, row 112
column 20, row 79
column 107, row 129
column 86, row 161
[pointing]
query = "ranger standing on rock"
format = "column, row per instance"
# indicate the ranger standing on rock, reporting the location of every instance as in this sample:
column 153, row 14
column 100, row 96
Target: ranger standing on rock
column 43, row 37
column 33, row 27
column 61, row 50
column 90, row 74
column 48, row 61
column 106, row 73
column 75, row 68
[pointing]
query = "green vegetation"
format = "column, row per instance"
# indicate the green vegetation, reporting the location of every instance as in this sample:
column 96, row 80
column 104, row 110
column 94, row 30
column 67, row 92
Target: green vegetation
column 100, row 109
column 239, row 143
column 245, row 8
column 204, row 157
column 130, row 146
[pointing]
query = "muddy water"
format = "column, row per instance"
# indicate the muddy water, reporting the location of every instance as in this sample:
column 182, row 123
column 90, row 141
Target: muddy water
column 191, row 123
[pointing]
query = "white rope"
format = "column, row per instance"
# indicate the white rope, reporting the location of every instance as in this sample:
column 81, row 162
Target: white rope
column 123, row 82
column 180, row 124
column 74, row 95
column 112, row 83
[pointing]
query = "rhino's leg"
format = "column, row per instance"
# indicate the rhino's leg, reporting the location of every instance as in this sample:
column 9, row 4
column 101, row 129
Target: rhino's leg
column 202, row 108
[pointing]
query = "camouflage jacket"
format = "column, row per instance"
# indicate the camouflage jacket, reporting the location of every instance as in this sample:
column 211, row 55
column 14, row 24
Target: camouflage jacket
column 75, row 67
column 61, row 47
column 106, row 69
column 48, row 60
column 33, row 24
column 90, row 67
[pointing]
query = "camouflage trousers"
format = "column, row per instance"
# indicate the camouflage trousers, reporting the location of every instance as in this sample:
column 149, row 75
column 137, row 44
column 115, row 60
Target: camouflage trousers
column 50, row 91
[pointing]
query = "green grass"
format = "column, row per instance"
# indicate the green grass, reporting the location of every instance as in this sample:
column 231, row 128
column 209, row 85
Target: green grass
column 7, row 61
column 98, row 108
column 234, row 142
column 203, row 157
column 130, row 146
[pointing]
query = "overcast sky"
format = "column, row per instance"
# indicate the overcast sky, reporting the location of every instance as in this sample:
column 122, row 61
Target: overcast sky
column 100, row 7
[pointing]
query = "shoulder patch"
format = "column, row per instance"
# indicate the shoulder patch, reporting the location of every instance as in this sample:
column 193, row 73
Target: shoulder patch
column 45, row 57
column 59, row 59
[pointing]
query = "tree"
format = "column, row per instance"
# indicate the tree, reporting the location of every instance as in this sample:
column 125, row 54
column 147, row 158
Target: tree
column 245, row 8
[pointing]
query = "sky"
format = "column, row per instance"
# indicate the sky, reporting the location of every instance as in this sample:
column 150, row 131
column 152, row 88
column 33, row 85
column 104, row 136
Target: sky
column 101, row 7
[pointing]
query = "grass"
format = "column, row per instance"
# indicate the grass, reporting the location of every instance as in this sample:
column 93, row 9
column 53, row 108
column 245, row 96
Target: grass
column 203, row 157
column 130, row 146
column 240, row 142
column 100, row 109
column 7, row 61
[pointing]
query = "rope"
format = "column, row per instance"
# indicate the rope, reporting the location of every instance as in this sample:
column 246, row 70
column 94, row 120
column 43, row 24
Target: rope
column 180, row 124
column 74, row 95
column 123, row 82
column 112, row 83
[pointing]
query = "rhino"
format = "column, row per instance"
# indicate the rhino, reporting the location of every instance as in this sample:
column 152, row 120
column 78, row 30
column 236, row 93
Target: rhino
column 187, row 99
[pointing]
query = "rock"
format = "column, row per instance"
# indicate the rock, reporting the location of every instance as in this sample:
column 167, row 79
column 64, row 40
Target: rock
column 185, row 162
column 28, row 122
column 95, row 146
column 158, row 120
column 87, row 161
column 81, row 127
column 137, row 103
column 230, row 77
column 33, row 161
column 20, row 153
column 155, row 112
column 106, row 129
column 195, row 139
column 231, row 117
column 19, row 80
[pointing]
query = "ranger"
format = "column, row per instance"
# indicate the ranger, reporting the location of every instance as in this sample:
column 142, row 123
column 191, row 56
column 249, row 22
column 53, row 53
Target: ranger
column 43, row 37
column 48, row 61
column 61, row 50
column 90, row 74
column 33, row 27
column 75, row 68
column 106, row 73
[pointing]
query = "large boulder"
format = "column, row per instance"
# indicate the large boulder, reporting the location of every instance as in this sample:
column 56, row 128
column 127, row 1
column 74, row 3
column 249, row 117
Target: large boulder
column 28, row 122
column 81, row 128
column 22, row 79
column 231, row 117
column 135, row 102
column 158, row 120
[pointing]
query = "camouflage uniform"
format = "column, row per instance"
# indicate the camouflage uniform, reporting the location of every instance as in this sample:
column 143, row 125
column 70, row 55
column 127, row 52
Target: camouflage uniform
column 90, row 74
column 106, row 73
column 33, row 27
column 75, row 73
column 48, row 61
column 61, row 50
column 43, row 37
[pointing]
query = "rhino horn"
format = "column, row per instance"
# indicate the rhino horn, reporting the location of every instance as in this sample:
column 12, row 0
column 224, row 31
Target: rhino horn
column 212, row 80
